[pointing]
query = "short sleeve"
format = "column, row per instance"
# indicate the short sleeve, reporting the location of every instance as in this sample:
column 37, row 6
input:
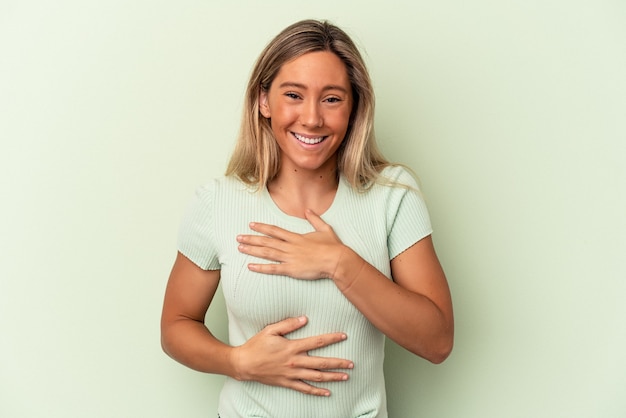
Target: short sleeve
column 407, row 215
column 196, row 234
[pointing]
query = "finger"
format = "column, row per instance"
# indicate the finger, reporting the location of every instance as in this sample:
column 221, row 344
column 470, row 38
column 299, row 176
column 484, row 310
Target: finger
column 272, row 231
column 315, row 220
column 261, row 241
column 319, row 341
column 286, row 326
column 318, row 376
column 274, row 269
column 307, row 389
column 326, row 363
column 265, row 253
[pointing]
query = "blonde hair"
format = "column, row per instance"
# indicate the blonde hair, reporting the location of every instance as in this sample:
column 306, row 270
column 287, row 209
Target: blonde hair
column 256, row 158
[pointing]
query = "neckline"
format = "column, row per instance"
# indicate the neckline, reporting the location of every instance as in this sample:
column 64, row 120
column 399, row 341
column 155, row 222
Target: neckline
column 341, row 186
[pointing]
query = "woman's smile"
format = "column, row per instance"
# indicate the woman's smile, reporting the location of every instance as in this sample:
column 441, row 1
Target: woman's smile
column 309, row 140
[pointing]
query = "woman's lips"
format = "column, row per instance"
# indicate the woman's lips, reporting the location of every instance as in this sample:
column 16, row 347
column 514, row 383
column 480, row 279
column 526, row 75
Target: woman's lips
column 309, row 140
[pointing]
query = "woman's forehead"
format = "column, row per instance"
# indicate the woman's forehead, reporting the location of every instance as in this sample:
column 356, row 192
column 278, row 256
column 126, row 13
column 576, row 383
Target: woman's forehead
column 321, row 68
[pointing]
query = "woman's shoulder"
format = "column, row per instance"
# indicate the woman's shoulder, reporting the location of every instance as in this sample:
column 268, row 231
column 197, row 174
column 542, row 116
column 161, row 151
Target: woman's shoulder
column 220, row 195
column 223, row 184
column 398, row 175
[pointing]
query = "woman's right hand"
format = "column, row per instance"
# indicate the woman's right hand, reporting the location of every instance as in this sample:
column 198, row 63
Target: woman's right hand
column 268, row 357
column 272, row 359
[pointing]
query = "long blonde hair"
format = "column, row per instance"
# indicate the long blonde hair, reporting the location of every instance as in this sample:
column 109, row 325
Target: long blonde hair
column 256, row 158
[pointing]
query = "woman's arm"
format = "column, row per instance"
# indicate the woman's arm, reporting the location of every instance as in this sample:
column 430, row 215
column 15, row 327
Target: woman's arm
column 268, row 357
column 414, row 310
column 184, row 337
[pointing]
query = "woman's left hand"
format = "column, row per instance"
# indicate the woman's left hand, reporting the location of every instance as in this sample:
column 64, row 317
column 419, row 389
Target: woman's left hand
column 310, row 256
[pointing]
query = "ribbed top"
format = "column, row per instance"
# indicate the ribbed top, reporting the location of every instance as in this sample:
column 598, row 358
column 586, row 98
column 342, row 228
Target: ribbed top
column 378, row 224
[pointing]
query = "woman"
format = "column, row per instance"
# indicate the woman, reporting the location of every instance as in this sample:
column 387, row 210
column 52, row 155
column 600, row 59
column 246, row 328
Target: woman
column 322, row 246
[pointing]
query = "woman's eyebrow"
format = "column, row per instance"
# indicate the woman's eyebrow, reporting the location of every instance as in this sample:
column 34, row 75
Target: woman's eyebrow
column 293, row 84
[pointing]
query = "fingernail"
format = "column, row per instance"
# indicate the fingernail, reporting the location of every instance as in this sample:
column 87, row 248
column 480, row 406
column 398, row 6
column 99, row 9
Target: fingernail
column 344, row 337
column 302, row 319
column 351, row 366
column 344, row 377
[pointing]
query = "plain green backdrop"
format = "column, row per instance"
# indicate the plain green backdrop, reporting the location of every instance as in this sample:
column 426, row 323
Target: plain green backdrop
column 512, row 113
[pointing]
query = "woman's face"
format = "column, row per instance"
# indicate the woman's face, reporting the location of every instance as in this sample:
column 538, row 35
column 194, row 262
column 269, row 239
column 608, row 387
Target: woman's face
column 309, row 105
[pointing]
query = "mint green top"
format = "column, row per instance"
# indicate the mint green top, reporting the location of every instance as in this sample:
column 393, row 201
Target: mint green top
column 378, row 224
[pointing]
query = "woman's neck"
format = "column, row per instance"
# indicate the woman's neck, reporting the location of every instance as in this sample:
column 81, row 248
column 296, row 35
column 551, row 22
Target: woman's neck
column 295, row 190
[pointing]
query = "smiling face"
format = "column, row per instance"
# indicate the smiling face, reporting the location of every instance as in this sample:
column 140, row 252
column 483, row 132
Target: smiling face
column 309, row 104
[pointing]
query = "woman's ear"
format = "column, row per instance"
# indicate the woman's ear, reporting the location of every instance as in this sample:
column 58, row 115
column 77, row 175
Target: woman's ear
column 264, row 106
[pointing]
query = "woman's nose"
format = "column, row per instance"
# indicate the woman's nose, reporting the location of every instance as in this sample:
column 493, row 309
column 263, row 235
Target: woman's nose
column 311, row 116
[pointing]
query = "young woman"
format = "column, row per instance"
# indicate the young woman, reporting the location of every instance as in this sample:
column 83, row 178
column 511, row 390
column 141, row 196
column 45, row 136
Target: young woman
column 323, row 248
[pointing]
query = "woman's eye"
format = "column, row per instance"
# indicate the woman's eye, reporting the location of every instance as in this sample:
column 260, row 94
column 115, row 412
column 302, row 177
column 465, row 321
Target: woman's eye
column 292, row 95
column 333, row 100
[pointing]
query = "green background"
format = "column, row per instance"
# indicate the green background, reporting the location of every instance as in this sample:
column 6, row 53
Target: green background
column 512, row 113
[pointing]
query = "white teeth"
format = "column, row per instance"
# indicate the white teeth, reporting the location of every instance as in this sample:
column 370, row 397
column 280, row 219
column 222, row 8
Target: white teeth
column 309, row 141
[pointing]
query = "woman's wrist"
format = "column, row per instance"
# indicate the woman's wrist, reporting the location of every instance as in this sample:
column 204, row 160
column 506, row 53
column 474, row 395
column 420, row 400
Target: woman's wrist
column 234, row 360
column 348, row 268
